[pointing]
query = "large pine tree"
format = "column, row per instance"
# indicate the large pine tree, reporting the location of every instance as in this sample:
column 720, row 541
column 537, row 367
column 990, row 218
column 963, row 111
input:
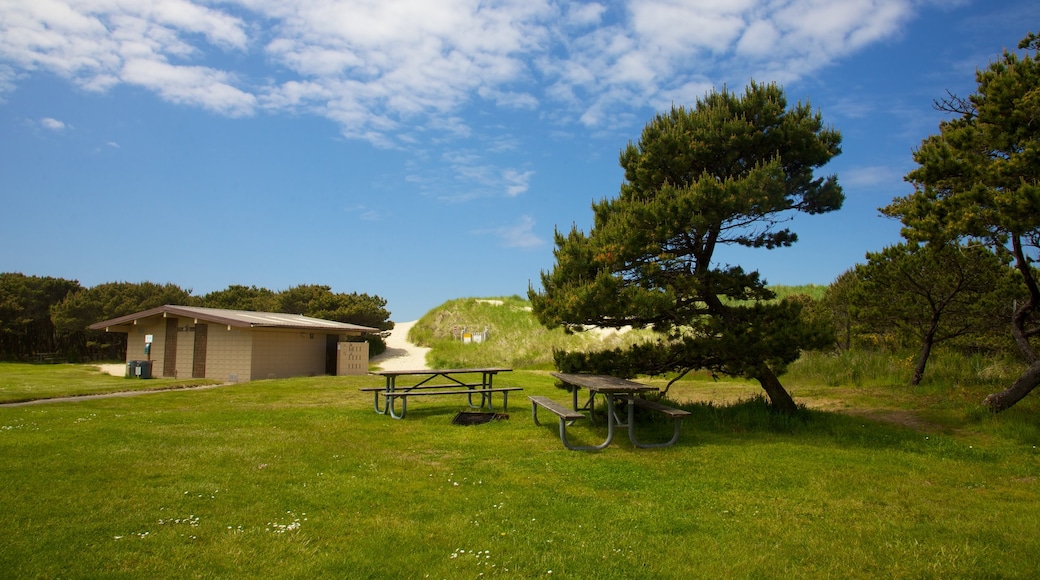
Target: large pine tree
column 729, row 171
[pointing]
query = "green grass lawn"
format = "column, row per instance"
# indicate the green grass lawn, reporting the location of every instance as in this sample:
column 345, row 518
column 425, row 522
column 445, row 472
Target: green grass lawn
column 300, row 478
column 28, row 382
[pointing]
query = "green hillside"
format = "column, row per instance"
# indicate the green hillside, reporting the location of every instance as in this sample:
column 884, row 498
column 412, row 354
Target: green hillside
column 514, row 337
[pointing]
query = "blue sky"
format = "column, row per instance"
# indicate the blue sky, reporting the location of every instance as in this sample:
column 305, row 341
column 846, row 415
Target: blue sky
column 424, row 150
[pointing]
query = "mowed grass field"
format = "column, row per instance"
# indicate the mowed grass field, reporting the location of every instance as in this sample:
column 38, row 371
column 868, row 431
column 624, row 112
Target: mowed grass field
column 299, row 478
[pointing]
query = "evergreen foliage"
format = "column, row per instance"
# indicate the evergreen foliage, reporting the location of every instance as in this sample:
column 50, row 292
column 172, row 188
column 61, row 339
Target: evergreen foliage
column 979, row 178
column 933, row 293
column 729, row 171
column 25, row 313
column 51, row 315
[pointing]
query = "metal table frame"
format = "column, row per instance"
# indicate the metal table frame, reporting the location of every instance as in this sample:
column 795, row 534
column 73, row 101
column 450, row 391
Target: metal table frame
column 487, row 376
column 612, row 389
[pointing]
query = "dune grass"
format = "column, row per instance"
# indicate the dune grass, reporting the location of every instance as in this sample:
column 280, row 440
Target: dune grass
column 300, row 478
column 515, row 337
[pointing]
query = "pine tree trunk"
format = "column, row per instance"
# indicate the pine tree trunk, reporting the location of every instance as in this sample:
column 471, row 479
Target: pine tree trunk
column 1029, row 380
column 1022, row 386
column 779, row 398
column 922, row 357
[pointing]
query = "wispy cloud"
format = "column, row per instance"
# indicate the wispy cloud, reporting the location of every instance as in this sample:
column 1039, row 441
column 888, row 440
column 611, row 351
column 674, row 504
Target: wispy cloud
column 381, row 69
column 52, row 124
column 365, row 213
column 518, row 235
column 516, row 181
column 870, row 177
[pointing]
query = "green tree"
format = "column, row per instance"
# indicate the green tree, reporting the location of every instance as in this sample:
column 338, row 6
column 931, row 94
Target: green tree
column 110, row 300
column 729, row 171
column 25, row 313
column 838, row 308
column 979, row 178
column 237, row 297
column 320, row 302
column 933, row 293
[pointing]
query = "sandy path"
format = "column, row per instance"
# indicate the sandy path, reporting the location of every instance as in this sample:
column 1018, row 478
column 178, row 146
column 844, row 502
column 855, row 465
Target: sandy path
column 400, row 354
column 116, row 370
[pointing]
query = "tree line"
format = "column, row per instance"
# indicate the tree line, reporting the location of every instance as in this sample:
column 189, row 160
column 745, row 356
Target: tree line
column 734, row 168
column 45, row 315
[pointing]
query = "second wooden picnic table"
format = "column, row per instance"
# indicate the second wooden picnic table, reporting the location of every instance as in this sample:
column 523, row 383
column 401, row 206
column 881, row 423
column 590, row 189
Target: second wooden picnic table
column 461, row 381
column 613, row 389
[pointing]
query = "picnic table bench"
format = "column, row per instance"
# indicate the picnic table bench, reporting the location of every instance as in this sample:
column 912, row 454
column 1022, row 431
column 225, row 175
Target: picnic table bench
column 457, row 382
column 613, row 390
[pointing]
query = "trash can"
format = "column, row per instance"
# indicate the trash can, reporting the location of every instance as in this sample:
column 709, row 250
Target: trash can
column 139, row 369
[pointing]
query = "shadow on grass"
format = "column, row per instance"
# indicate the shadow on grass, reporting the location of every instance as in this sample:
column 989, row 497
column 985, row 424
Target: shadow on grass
column 753, row 420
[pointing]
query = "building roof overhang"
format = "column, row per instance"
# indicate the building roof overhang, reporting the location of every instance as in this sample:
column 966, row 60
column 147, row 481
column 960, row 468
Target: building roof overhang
column 235, row 319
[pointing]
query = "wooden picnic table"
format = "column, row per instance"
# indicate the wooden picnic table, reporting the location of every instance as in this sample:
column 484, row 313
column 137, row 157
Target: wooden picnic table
column 460, row 381
column 613, row 390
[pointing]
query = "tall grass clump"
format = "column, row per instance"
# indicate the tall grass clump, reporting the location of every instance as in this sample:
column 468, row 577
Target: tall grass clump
column 866, row 368
column 515, row 338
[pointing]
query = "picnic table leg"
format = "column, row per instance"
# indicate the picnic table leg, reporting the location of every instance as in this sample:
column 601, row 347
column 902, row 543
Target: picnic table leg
column 563, row 433
column 486, row 382
column 404, row 406
column 485, row 400
column 389, row 388
column 589, row 404
column 381, row 410
column 505, row 401
column 391, row 385
column 486, row 379
column 632, row 431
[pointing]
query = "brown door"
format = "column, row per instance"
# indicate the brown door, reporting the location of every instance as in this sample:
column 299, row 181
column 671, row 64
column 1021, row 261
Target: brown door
column 169, row 368
column 198, row 365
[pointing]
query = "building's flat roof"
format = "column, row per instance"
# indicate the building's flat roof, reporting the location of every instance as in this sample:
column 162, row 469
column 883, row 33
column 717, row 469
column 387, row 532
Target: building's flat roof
column 238, row 319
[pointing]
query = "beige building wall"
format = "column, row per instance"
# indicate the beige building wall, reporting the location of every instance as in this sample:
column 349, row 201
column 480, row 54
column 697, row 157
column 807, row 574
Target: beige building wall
column 242, row 354
column 135, row 341
column 230, row 354
column 185, row 347
column 279, row 354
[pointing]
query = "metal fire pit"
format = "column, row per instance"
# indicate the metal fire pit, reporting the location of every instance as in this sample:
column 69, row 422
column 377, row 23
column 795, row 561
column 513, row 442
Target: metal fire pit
column 470, row 418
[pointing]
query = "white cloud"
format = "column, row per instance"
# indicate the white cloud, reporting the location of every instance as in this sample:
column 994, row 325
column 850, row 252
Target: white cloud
column 516, row 182
column 584, row 15
column 8, row 79
column 52, row 124
column 758, row 39
column 193, row 85
column 510, row 99
column 518, row 235
column 669, row 28
column 392, row 71
column 667, row 47
column 871, row 177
